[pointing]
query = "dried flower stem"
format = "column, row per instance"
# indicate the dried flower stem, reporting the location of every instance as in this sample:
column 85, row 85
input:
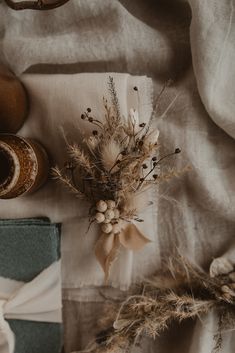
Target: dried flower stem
column 183, row 292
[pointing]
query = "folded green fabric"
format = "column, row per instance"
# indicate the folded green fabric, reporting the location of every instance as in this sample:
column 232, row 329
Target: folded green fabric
column 27, row 247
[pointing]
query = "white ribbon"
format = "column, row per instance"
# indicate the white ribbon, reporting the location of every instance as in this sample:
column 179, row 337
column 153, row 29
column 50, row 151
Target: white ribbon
column 38, row 300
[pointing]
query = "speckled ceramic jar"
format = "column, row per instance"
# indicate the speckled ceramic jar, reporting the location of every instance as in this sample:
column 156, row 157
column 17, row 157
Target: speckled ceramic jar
column 13, row 102
column 24, row 166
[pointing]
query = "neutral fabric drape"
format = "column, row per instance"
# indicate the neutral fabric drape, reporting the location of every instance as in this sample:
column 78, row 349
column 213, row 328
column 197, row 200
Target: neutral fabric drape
column 191, row 42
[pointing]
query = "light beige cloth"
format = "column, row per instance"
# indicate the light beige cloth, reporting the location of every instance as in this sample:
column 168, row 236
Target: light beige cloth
column 57, row 103
column 156, row 38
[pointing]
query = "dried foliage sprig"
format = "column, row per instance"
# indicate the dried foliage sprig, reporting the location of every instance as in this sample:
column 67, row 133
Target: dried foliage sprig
column 182, row 292
column 112, row 168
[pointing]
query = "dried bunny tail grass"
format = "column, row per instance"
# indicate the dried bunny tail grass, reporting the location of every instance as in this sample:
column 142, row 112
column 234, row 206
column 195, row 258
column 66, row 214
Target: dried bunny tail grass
column 81, row 158
column 64, row 179
column 110, row 155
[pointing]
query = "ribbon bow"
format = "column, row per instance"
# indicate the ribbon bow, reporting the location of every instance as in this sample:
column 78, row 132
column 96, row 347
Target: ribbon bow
column 38, row 300
column 108, row 244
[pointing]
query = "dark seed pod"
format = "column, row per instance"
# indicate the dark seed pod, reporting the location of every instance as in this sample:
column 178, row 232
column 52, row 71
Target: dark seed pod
column 177, row 150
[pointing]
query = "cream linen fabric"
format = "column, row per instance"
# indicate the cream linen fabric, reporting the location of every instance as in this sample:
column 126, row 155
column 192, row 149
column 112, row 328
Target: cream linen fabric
column 156, row 38
column 57, row 103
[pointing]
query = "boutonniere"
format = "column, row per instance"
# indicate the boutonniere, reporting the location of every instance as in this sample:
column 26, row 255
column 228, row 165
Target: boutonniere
column 113, row 168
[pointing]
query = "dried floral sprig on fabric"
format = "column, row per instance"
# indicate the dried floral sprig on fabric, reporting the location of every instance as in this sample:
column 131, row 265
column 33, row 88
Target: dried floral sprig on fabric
column 113, row 168
column 182, row 292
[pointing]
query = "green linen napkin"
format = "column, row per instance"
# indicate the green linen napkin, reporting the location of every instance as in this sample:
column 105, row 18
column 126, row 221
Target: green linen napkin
column 27, row 247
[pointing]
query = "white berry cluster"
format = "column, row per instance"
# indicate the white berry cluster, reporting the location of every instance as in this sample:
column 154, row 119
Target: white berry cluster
column 107, row 216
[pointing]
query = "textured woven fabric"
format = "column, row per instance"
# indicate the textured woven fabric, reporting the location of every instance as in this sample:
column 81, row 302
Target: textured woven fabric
column 190, row 42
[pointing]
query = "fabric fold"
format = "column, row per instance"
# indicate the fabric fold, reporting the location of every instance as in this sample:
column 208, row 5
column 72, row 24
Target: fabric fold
column 30, row 294
column 38, row 300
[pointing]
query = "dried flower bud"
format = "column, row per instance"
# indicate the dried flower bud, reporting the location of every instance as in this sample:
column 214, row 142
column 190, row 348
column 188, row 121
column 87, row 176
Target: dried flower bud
column 226, row 289
column 116, row 228
column 177, row 150
column 109, row 214
column 232, row 276
column 144, row 166
column 111, row 204
column 88, row 110
column 155, row 164
column 135, row 88
column 99, row 217
column 142, row 125
column 227, row 296
column 90, row 119
column 83, row 117
column 101, row 206
column 155, row 176
column 141, row 179
column 140, row 143
column 116, row 213
column 95, row 132
column 107, row 228
column 154, row 159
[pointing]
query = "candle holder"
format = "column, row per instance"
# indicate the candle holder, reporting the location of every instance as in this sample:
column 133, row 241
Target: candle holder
column 24, row 166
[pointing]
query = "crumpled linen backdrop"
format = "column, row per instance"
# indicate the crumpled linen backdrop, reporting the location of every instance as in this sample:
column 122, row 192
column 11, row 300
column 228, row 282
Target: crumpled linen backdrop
column 192, row 43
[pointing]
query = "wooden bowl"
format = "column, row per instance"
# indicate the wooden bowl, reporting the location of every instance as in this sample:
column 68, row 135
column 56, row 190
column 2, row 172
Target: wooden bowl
column 14, row 104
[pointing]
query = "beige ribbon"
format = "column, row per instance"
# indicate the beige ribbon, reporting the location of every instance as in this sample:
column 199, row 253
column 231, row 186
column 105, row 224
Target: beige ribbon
column 107, row 245
column 38, row 300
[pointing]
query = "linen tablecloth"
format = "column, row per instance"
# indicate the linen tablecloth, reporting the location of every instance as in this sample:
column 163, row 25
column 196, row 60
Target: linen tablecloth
column 191, row 42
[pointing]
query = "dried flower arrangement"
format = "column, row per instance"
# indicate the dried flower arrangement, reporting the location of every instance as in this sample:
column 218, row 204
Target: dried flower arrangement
column 182, row 292
column 113, row 168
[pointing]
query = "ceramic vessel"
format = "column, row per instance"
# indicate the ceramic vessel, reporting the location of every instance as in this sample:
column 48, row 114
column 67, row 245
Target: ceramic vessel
column 13, row 102
column 24, row 166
